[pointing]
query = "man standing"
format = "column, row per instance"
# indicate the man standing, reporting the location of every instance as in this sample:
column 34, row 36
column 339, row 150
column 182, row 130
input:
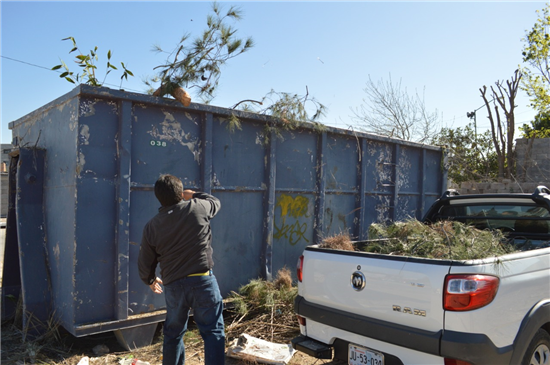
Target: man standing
column 179, row 238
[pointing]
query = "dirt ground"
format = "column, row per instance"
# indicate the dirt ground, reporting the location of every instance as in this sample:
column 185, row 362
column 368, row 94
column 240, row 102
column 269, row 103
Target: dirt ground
column 66, row 349
column 58, row 347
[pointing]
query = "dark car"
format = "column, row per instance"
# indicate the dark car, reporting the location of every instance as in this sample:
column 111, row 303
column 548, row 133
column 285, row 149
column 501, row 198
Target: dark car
column 525, row 218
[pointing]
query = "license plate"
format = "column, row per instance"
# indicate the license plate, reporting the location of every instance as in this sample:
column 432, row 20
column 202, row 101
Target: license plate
column 358, row 355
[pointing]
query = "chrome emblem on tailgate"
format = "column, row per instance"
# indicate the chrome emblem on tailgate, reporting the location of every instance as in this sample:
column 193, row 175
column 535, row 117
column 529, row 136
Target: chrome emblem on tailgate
column 358, row 281
column 408, row 310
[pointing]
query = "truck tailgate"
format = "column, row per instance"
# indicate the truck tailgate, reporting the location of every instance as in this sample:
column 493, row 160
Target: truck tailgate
column 402, row 290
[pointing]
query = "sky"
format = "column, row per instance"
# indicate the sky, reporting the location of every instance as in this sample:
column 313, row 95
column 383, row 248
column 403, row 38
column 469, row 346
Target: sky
column 445, row 51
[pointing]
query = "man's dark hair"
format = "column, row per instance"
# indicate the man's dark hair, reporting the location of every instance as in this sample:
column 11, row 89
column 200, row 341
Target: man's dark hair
column 168, row 190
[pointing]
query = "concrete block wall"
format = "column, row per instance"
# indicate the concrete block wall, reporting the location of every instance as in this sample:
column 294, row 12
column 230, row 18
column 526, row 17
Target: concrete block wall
column 533, row 160
column 503, row 186
column 532, row 170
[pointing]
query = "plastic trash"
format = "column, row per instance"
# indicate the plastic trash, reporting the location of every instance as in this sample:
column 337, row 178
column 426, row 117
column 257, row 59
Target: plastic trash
column 84, row 361
column 133, row 362
column 261, row 351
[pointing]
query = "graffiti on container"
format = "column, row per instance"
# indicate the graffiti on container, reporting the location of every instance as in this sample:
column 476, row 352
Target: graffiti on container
column 292, row 209
column 293, row 232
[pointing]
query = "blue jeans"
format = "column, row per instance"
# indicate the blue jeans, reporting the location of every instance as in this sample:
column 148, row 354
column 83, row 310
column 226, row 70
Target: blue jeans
column 203, row 295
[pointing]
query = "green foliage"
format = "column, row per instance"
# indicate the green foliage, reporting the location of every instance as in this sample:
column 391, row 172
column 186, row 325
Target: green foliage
column 290, row 110
column 539, row 128
column 87, row 64
column 197, row 64
column 260, row 296
column 536, row 54
column 234, row 123
column 440, row 240
column 470, row 155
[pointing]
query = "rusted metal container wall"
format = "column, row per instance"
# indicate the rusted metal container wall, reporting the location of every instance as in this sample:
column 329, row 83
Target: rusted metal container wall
column 280, row 191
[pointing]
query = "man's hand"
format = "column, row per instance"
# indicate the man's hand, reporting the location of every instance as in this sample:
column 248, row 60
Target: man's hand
column 188, row 194
column 156, row 286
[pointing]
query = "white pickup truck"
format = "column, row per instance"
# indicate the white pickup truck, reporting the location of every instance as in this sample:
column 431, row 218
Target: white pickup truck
column 375, row 309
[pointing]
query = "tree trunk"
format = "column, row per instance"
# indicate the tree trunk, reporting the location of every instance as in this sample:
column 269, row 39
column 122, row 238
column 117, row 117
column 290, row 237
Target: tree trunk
column 503, row 96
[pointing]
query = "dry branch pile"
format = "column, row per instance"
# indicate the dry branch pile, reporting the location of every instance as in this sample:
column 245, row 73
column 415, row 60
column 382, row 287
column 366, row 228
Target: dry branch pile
column 264, row 309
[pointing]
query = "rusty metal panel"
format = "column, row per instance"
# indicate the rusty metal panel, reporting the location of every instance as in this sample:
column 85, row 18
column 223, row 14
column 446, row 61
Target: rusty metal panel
column 342, row 173
column 280, row 190
column 11, row 278
column 165, row 140
column 33, row 260
column 237, row 250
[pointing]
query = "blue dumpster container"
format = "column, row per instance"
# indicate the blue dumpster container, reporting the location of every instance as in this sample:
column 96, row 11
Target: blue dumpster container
column 89, row 160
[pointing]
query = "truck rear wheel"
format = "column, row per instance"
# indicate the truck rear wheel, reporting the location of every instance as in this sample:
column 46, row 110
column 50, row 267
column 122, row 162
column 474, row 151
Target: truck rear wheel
column 538, row 352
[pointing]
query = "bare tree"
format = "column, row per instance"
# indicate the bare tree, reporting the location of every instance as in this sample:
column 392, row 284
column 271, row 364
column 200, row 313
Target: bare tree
column 390, row 111
column 503, row 128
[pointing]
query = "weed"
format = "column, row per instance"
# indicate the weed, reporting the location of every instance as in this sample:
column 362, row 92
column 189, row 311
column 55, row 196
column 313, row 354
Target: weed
column 88, row 67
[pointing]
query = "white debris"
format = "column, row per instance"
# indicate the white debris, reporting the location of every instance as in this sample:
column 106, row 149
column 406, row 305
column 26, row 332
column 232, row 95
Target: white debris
column 264, row 352
column 84, row 361
column 132, row 362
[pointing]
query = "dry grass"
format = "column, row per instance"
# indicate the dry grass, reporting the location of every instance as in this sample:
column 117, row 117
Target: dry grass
column 19, row 345
column 248, row 359
column 264, row 310
column 340, row 241
column 283, row 280
column 57, row 346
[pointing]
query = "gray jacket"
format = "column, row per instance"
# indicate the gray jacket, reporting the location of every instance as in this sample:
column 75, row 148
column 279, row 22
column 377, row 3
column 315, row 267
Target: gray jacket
column 178, row 238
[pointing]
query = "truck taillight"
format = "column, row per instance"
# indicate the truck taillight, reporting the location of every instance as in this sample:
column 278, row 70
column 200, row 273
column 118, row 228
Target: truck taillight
column 468, row 292
column 300, row 268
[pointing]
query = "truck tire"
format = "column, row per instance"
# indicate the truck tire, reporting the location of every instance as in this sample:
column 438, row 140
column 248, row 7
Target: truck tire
column 538, row 352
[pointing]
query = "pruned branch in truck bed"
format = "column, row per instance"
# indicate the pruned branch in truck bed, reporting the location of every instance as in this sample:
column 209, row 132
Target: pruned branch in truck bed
column 441, row 240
